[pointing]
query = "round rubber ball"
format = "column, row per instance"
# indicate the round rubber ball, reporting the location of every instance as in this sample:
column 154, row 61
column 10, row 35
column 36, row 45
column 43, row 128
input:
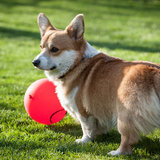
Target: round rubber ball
column 42, row 104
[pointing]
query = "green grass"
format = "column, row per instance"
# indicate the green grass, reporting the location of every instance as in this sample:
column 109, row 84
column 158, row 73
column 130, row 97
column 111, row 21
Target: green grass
column 129, row 29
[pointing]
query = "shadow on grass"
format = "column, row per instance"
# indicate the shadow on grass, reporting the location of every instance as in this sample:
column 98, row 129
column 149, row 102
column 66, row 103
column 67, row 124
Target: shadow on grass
column 151, row 145
column 12, row 3
column 75, row 130
column 20, row 144
column 113, row 137
column 6, row 106
column 13, row 33
column 71, row 129
column 114, row 46
column 97, row 147
column 135, row 5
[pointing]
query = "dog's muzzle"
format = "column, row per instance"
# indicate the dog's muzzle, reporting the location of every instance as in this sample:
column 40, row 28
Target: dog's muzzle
column 37, row 62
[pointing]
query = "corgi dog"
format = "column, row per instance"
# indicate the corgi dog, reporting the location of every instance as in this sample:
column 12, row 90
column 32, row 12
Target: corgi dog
column 96, row 89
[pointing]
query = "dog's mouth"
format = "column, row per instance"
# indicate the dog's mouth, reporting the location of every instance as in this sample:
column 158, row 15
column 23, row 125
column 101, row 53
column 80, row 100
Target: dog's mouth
column 52, row 68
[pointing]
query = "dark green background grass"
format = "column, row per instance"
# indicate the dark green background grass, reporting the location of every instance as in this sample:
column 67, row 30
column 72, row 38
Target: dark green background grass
column 129, row 29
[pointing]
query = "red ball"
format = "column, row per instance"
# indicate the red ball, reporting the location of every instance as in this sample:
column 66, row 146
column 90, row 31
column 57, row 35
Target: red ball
column 42, row 104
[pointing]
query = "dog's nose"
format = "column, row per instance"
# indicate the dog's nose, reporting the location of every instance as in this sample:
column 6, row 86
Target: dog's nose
column 36, row 62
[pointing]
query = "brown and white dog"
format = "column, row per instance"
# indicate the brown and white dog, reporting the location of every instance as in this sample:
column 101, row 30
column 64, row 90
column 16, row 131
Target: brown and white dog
column 98, row 90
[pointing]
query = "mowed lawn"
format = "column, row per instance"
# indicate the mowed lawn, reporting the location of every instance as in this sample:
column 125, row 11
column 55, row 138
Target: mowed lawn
column 129, row 29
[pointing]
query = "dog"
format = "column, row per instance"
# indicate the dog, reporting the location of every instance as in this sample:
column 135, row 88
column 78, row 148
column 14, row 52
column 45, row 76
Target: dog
column 96, row 89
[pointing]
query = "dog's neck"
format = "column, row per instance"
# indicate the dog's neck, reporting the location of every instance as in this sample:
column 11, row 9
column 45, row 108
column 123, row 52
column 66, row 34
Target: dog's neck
column 90, row 51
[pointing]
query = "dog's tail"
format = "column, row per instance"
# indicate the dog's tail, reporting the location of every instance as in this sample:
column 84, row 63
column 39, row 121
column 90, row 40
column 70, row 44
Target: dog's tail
column 154, row 100
column 149, row 105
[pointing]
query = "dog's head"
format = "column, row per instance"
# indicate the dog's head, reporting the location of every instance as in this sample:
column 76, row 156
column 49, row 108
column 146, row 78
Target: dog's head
column 61, row 50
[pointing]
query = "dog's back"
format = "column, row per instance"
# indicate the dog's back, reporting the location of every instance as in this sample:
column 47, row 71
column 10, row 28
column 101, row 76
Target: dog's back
column 111, row 87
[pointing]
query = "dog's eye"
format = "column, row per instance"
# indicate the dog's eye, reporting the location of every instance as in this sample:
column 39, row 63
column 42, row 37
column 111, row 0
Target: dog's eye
column 54, row 49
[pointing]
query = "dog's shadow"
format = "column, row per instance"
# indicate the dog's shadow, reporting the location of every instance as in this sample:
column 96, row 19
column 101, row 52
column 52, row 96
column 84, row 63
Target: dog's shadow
column 71, row 129
column 112, row 137
column 152, row 146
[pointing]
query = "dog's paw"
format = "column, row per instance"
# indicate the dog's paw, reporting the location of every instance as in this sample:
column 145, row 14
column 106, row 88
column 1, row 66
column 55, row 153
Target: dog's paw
column 79, row 141
column 115, row 153
column 118, row 152
column 83, row 140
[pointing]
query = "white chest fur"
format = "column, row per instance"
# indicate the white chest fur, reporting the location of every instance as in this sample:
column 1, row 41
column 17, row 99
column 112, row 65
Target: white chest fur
column 68, row 101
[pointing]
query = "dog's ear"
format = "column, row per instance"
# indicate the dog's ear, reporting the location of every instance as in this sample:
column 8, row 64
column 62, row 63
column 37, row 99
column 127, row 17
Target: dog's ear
column 44, row 24
column 76, row 28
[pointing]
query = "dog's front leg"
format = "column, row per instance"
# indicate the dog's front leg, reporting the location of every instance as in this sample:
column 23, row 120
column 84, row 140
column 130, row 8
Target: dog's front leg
column 89, row 129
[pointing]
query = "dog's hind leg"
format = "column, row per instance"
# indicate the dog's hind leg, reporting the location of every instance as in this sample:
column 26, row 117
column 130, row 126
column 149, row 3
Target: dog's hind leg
column 128, row 136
